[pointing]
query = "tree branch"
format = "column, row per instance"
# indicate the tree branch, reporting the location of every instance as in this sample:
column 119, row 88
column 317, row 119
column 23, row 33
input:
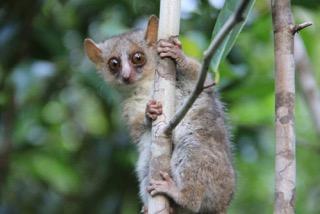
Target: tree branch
column 285, row 161
column 298, row 27
column 233, row 20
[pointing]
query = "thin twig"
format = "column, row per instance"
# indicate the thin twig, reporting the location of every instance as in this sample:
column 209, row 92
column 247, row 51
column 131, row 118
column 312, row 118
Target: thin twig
column 233, row 20
column 300, row 27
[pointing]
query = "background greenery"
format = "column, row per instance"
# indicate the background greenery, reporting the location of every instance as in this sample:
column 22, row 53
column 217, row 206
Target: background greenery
column 62, row 146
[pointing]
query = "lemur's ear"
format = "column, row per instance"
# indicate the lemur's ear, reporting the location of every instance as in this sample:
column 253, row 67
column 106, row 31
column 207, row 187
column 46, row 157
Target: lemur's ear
column 93, row 51
column 152, row 30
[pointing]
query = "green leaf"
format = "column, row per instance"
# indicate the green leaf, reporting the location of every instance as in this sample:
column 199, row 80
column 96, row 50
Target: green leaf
column 228, row 8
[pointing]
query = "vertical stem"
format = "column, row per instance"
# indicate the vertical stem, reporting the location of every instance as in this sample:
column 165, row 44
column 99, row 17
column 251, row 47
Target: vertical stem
column 285, row 165
column 164, row 91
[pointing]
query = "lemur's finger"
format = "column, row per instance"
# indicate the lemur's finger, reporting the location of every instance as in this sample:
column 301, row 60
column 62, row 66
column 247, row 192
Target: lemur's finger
column 175, row 40
column 167, row 54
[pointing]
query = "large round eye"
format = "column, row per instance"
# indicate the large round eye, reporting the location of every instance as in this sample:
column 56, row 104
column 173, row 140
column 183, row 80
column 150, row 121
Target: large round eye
column 114, row 64
column 138, row 58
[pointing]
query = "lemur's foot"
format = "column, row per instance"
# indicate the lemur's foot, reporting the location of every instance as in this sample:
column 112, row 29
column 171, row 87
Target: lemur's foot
column 165, row 186
column 153, row 109
column 170, row 48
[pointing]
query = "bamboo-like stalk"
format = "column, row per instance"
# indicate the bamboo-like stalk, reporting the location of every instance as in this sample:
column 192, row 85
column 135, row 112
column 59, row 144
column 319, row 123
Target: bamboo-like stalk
column 164, row 91
column 285, row 162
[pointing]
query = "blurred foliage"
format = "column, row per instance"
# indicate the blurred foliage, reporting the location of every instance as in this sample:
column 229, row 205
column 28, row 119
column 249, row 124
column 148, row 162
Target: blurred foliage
column 228, row 9
column 63, row 148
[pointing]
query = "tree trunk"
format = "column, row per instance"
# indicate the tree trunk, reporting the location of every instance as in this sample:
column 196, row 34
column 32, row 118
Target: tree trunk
column 164, row 91
column 285, row 164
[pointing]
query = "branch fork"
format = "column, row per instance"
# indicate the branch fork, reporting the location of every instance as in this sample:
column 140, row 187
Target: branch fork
column 298, row 27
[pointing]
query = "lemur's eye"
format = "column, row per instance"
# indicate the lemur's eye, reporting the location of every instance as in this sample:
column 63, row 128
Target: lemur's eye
column 114, row 64
column 138, row 58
